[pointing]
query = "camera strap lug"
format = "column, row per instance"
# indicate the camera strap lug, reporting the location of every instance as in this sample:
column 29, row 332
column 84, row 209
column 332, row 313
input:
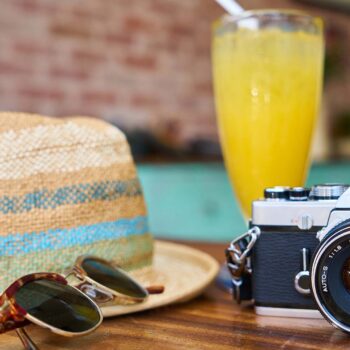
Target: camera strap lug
column 239, row 263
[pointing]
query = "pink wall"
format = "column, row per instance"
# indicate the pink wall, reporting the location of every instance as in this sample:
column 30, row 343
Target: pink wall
column 139, row 63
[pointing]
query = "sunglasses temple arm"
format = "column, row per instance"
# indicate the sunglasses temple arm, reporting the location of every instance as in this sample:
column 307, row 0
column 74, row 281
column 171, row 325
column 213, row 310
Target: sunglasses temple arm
column 155, row 289
column 25, row 339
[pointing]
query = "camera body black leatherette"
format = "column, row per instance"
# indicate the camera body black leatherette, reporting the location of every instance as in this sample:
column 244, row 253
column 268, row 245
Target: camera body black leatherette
column 276, row 260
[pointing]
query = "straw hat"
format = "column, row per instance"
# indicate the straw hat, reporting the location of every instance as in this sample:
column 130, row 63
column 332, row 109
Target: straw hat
column 69, row 187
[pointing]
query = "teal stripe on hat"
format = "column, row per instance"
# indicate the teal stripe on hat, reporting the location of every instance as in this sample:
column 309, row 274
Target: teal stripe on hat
column 15, row 244
column 68, row 195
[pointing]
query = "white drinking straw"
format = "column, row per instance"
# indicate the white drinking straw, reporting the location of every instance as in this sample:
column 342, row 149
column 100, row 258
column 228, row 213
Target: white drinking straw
column 231, row 6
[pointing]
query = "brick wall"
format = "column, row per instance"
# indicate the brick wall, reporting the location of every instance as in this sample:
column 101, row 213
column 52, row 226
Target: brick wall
column 139, row 63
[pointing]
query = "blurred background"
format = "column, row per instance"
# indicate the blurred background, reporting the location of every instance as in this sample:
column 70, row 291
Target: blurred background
column 145, row 66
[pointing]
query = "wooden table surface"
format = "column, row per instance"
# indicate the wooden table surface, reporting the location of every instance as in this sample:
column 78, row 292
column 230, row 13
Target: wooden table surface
column 211, row 321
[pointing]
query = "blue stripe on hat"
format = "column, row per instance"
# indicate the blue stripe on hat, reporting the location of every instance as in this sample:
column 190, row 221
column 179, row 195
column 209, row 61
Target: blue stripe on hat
column 70, row 195
column 14, row 244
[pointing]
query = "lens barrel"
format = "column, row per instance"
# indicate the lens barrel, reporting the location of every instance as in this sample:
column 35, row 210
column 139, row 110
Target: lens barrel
column 330, row 272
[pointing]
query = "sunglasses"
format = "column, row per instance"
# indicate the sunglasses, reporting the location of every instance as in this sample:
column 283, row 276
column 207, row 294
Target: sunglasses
column 46, row 299
column 103, row 282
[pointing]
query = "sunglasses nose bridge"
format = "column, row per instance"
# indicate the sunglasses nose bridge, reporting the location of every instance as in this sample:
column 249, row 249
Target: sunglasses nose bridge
column 79, row 272
column 97, row 294
column 75, row 272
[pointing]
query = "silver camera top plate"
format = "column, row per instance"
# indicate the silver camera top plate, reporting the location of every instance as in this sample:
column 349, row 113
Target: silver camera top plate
column 305, row 215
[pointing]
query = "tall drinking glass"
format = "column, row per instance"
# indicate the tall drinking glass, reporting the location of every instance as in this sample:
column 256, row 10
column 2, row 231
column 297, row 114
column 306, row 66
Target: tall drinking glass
column 268, row 68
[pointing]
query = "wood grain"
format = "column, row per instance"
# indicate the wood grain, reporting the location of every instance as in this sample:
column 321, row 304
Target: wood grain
column 211, row 321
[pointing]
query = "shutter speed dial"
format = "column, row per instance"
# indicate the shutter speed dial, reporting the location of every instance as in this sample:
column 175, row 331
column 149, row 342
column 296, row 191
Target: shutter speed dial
column 328, row 191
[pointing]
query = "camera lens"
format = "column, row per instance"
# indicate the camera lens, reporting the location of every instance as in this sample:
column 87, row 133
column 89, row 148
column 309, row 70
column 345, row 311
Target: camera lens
column 330, row 276
column 346, row 274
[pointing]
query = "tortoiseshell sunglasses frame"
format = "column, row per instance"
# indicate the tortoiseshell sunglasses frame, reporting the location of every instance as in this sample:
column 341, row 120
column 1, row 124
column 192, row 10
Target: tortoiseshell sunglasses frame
column 13, row 316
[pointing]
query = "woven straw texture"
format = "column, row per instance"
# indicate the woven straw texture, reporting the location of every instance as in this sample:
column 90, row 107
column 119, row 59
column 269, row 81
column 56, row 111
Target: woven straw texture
column 67, row 187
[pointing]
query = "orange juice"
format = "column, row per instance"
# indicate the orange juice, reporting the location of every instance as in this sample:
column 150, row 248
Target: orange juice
column 267, row 85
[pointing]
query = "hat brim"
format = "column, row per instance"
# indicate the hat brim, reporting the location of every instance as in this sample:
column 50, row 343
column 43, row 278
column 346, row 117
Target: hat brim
column 185, row 272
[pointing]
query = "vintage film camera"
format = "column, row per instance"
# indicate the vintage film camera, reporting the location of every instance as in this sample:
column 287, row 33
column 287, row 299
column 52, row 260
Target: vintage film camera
column 295, row 258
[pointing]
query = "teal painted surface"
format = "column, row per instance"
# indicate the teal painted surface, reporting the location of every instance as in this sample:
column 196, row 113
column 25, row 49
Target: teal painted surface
column 195, row 201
